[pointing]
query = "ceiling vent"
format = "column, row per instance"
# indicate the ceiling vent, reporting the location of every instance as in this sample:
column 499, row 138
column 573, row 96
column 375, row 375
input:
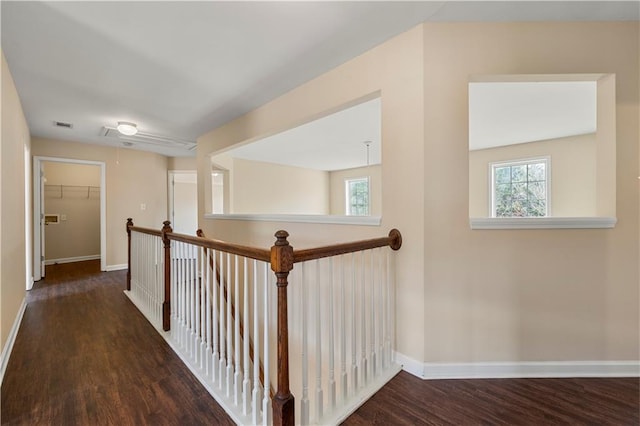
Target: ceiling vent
column 149, row 139
column 63, row 124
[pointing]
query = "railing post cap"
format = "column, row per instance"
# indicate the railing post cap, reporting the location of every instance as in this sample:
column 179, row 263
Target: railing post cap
column 281, row 236
column 396, row 239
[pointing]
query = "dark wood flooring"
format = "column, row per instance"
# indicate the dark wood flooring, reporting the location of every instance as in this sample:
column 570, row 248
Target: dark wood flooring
column 84, row 355
column 408, row 400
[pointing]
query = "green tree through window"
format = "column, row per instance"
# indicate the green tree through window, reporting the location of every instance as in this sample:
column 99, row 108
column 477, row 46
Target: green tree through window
column 520, row 189
column 357, row 191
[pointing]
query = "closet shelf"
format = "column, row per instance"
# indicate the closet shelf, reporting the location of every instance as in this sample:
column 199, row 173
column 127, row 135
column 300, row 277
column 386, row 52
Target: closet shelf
column 59, row 190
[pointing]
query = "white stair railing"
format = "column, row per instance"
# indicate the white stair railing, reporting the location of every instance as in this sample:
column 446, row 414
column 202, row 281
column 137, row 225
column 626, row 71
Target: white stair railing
column 221, row 308
column 225, row 311
column 147, row 274
column 342, row 323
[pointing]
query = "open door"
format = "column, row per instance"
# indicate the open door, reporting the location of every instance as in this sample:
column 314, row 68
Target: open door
column 38, row 220
column 183, row 201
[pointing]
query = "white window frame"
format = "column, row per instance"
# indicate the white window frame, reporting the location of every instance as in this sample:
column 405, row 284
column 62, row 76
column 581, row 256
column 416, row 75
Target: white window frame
column 492, row 181
column 347, row 193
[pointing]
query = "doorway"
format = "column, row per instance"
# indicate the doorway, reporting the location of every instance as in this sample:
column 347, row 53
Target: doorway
column 183, row 201
column 72, row 193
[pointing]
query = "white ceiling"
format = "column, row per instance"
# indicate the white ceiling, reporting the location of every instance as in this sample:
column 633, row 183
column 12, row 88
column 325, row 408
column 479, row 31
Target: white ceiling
column 179, row 69
column 334, row 142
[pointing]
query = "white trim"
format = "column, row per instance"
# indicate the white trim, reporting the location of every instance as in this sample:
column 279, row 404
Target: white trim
column 410, row 365
column 30, row 283
column 542, row 222
column 11, row 339
column 363, row 396
column 300, row 218
column 119, row 267
column 71, row 259
column 532, row 369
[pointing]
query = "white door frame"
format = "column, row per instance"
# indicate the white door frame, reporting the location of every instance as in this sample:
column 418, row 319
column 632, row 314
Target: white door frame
column 37, row 207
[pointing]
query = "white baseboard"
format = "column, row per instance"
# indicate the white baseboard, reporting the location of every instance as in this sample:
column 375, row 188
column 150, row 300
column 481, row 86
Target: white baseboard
column 72, row 259
column 533, row 369
column 11, row 339
column 116, row 267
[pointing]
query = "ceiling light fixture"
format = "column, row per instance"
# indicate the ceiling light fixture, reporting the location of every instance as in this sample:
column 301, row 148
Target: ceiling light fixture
column 127, row 128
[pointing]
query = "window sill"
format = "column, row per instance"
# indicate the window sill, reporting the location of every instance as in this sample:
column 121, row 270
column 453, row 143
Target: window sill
column 300, row 218
column 542, row 223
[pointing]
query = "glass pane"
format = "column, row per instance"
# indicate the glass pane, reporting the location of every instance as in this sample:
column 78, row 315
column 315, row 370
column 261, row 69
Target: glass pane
column 503, row 174
column 537, row 207
column 519, row 191
column 537, row 172
column 519, row 173
column 537, row 190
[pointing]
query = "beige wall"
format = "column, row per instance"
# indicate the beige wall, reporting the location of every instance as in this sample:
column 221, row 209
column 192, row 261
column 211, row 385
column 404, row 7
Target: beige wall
column 182, row 163
column 258, row 188
column 15, row 143
column 463, row 295
column 133, row 178
column 78, row 233
column 526, row 295
column 393, row 71
column 573, row 174
column 338, row 188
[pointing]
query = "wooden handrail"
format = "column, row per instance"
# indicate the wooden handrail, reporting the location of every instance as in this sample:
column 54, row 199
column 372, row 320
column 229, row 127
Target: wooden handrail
column 250, row 252
column 394, row 240
column 156, row 232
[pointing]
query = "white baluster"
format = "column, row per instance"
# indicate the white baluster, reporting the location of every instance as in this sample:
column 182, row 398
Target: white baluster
column 392, row 303
column 372, row 322
column 229, row 329
column 266, row 400
column 203, row 303
column 363, row 324
column 237, row 377
column 304, row 402
column 256, row 395
column 195, row 298
column 332, row 382
column 214, row 317
column 343, row 332
column 207, row 269
column 246, row 384
column 174, row 292
column 223, row 362
column 354, row 313
column 319, row 395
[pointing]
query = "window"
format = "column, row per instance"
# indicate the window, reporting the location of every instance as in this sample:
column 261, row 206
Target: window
column 217, row 191
column 520, row 188
column 357, row 200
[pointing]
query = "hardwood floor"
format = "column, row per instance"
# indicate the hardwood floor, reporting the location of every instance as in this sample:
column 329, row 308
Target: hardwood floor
column 408, row 400
column 84, row 355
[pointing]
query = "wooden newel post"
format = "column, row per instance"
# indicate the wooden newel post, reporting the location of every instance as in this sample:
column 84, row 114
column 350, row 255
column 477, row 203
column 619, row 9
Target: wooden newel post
column 166, row 305
column 281, row 264
column 129, row 225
